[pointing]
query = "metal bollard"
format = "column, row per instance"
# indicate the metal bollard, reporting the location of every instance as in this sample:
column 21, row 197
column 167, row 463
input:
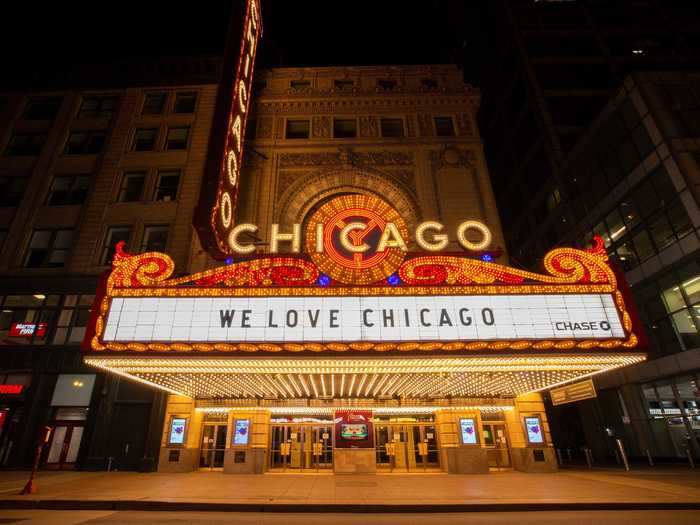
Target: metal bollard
column 561, row 461
column 589, row 456
column 568, row 453
column 617, row 456
column 649, row 458
column 689, row 453
column 621, row 447
column 109, row 463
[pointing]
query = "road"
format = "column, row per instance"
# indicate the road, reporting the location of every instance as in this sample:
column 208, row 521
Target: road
column 26, row 517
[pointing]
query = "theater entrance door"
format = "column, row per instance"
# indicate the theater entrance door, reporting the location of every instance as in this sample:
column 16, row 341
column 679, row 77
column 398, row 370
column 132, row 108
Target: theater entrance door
column 298, row 447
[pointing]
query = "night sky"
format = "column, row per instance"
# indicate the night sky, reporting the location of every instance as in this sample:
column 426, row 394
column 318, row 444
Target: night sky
column 61, row 35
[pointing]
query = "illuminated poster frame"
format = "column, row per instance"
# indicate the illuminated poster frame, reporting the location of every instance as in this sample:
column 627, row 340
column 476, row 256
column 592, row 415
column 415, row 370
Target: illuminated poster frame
column 464, row 424
column 534, row 432
column 241, row 432
column 178, row 422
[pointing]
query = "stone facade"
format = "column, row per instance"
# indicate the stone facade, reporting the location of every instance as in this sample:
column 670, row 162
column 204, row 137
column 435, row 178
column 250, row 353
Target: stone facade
column 423, row 175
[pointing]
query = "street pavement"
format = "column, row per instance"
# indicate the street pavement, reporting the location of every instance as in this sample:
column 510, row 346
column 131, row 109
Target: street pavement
column 587, row 489
column 45, row 517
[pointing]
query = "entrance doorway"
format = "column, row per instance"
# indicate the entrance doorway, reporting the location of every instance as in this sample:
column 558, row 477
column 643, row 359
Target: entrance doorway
column 406, row 447
column 496, row 443
column 301, row 447
column 65, row 443
column 213, row 447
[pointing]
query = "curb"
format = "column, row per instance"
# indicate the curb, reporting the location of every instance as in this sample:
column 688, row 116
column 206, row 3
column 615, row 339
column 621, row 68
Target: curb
column 139, row 505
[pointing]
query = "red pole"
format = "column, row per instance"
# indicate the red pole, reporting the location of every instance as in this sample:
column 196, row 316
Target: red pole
column 30, row 487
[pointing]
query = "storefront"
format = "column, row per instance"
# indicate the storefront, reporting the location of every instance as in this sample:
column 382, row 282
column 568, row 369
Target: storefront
column 351, row 358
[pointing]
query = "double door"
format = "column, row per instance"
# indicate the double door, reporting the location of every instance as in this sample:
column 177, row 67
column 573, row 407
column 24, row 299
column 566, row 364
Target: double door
column 407, row 447
column 299, row 447
column 496, row 443
column 65, row 444
column 213, row 446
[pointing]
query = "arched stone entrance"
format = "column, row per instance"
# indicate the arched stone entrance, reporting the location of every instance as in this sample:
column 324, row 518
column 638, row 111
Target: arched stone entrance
column 306, row 193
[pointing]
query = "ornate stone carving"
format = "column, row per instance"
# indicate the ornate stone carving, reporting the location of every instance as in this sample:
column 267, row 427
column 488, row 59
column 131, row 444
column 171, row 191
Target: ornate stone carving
column 264, row 128
column 279, row 128
column 425, row 125
column 285, row 178
column 464, row 124
column 321, row 127
column 369, row 126
column 347, row 156
column 309, row 159
column 407, row 177
column 452, row 157
column 410, row 126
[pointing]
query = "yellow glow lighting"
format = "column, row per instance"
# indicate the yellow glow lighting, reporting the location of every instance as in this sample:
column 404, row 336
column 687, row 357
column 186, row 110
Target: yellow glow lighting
column 407, row 378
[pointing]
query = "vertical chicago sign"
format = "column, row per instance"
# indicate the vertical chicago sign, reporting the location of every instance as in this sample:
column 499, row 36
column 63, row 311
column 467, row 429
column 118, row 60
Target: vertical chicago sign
column 213, row 217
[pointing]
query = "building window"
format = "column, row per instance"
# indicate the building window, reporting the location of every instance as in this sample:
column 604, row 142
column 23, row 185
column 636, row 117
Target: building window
column 344, row 85
column 167, row 185
column 42, row 108
column 48, row 248
column 444, row 127
column 155, row 239
column 36, row 312
column 300, row 84
column 647, row 220
column 72, row 319
column 297, row 129
column 185, row 102
column 98, row 107
column 344, row 128
column 392, row 127
column 25, row 144
column 429, row 83
column 131, row 187
column 177, row 138
column 68, row 190
column 12, row 190
column 115, row 234
column 85, row 142
column 386, row 85
column 144, row 139
column 153, row 103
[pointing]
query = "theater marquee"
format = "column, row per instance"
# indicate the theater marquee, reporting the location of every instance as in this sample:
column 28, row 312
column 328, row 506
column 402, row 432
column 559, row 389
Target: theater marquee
column 462, row 323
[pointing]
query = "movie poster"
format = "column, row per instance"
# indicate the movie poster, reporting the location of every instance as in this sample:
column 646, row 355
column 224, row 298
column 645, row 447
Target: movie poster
column 468, row 431
column 534, row 430
column 353, row 429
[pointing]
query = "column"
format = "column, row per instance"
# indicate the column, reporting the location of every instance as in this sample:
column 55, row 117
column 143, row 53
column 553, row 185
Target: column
column 530, row 451
column 247, row 447
column 179, row 446
column 461, row 452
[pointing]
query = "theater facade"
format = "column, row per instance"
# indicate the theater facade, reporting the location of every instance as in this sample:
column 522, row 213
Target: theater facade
column 354, row 309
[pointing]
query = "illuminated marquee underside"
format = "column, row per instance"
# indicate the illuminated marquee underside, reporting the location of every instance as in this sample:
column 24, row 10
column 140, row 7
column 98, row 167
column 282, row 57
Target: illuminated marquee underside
column 417, row 378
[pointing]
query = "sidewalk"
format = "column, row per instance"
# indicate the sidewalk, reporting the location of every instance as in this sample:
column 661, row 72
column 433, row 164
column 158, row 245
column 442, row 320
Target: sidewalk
column 570, row 489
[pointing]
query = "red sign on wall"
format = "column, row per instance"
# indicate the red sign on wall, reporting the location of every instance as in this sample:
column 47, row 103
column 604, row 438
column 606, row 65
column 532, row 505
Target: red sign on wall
column 27, row 329
column 11, row 389
column 353, row 429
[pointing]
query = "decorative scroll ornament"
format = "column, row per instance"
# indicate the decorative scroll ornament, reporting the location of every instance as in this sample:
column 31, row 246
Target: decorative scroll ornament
column 564, row 266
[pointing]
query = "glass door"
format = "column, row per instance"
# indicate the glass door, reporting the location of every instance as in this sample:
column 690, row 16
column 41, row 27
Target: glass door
column 496, row 443
column 298, row 447
column 406, row 447
column 213, row 448
column 65, row 444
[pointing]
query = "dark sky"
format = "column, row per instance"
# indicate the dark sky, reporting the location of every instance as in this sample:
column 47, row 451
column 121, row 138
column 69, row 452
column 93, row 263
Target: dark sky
column 59, row 35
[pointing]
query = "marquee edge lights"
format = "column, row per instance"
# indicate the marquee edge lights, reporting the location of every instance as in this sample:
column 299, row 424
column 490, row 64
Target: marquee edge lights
column 569, row 270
